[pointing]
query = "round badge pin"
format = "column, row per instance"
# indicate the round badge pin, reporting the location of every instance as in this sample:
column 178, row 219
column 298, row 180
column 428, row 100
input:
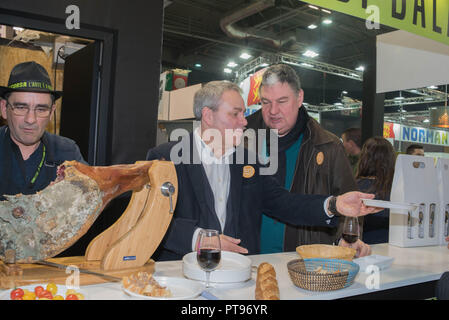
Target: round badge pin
column 248, row 171
column 320, row 158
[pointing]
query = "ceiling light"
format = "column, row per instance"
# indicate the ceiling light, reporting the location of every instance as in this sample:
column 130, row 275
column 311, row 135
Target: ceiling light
column 227, row 70
column 313, row 7
column 198, row 65
column 310, row 54
column 360, row 68
column 327, row 21
column 232, row 64
column 312, row 26
column 245, row 55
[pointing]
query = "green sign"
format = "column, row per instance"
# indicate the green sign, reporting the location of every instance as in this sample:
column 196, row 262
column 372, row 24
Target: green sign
column 427, row 18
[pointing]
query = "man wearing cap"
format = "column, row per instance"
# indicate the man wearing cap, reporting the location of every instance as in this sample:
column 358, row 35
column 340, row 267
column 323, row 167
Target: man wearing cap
column 29, row 155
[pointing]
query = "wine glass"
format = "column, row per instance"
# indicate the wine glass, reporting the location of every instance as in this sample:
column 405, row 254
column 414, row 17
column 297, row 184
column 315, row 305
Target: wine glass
column 351, row 230
column 208, row 251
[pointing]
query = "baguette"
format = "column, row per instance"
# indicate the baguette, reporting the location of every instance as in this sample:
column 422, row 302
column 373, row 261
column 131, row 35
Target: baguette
column 266, row 283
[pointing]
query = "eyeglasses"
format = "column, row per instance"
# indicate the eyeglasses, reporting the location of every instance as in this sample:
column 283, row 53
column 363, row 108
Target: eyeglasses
column 22, row 110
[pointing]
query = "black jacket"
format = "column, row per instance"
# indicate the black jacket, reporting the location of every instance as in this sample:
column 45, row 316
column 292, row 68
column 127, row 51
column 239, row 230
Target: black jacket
column 58, row 150
column 248, row 198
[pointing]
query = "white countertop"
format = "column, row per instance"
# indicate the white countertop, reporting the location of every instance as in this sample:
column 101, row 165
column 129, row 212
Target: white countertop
column 410, row 266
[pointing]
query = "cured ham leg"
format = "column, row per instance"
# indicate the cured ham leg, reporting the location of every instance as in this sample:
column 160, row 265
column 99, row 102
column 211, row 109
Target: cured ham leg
column 41, row 225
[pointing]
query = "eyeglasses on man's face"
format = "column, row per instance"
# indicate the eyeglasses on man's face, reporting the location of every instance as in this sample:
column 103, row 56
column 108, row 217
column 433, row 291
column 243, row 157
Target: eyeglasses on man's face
column 22, row 109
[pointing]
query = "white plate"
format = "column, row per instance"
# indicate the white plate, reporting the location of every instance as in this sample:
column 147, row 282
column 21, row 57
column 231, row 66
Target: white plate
column 61, row 290
column 233, row 267
column 179, row 287
column 389, row 204
column 382, row 262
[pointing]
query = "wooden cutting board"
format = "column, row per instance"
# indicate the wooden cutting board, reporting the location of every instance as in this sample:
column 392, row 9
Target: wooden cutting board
column 34, row 273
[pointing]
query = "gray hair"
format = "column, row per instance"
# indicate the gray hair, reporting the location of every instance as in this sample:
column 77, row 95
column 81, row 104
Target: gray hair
column 281, row 73
column 210, row 96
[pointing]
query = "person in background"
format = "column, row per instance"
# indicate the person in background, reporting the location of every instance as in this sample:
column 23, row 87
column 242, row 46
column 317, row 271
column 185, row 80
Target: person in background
column 415, row 150
column 29, row 156
column 352, row 141
column 311, row 160
column 225, row 192
column 375, row 173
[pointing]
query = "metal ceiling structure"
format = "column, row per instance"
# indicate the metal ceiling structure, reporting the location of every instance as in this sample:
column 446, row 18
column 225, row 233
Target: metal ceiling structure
column 213, row 33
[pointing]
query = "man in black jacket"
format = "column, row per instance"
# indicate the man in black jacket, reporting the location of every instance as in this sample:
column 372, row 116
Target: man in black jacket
column 310, row 159
column 29, row 155
column 221, row 187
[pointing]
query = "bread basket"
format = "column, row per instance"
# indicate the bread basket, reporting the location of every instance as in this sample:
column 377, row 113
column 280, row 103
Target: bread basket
column 322, row 274
column 325, row 251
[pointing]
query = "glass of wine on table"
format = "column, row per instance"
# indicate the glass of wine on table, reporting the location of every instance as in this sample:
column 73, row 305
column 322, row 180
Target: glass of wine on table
column 351, row 230
column 208, row 251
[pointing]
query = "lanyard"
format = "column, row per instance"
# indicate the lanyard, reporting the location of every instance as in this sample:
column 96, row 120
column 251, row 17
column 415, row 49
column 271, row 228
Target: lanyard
column 39, row 167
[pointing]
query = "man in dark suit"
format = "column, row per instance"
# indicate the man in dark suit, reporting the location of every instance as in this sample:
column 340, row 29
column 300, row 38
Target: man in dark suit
column 221, row 186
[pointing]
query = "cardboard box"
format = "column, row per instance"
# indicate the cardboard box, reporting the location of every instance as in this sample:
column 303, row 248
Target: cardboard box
column 164, row 105
column 178, row 104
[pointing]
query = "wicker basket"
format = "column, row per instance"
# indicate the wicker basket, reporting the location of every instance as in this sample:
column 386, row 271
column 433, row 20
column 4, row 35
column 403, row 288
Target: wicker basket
column 339, row 273
column 325, row 251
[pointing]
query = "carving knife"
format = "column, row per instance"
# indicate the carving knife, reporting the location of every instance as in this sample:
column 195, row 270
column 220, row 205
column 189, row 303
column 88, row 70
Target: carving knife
column 64, row 267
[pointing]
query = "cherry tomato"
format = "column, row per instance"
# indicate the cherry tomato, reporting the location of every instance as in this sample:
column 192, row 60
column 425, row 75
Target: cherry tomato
column 45, row 294
column 71, row 297
column 29, row 296
column 70, row 291
column 38, row 290
column 53, row 288
column 17, row 294
column 80, row 296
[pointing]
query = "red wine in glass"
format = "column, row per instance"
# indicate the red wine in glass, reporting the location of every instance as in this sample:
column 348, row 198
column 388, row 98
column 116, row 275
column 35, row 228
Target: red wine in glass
column 208, row 259
column 350, row 238
column 351, row 229
column 208, row 251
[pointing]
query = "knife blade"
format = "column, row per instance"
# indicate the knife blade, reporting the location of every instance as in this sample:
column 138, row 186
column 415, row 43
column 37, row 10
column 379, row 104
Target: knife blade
column 86, row 271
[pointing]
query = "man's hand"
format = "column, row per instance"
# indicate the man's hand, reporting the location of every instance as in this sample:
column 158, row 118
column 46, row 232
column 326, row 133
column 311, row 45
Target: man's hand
column 350, row 204
column 231, row 244
column 362, row 248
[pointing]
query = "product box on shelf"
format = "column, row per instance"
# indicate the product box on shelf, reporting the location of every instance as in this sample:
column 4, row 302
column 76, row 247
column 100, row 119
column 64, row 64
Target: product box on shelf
column 442, row 167
column 415, row 181
column 177, row 104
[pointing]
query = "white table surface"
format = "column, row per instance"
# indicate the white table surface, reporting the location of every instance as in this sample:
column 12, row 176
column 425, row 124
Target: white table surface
column 410, row 266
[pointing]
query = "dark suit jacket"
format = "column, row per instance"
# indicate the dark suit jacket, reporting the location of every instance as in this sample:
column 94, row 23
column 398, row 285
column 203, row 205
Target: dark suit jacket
column 248, row 198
